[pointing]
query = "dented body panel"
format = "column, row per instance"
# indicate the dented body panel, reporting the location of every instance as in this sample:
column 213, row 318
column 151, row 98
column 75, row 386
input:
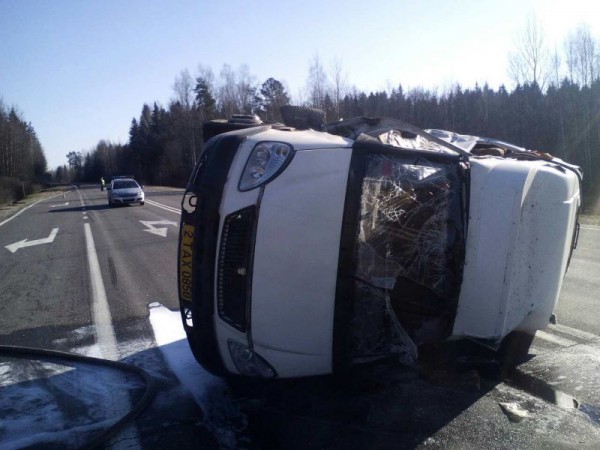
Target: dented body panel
column 521, row 223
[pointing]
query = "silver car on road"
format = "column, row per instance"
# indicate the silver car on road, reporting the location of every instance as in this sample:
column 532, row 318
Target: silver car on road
column 123, row 191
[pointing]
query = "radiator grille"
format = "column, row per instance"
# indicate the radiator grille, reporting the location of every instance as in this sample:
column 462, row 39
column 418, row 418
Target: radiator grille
column 234, row 272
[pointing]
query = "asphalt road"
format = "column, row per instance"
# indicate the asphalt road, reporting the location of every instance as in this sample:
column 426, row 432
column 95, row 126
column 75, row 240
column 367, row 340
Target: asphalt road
column 88, row 291
column 89, row 278
column 47, row 286
column 579, row 303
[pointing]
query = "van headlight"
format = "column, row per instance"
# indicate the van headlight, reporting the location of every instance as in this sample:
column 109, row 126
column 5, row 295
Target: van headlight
column 267, row 160
column 249, row 363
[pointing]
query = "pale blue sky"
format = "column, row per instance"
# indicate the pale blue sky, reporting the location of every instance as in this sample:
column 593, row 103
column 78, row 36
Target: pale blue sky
column 81, row 70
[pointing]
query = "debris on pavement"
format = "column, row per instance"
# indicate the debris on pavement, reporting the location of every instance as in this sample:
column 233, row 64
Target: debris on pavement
column 514, row 412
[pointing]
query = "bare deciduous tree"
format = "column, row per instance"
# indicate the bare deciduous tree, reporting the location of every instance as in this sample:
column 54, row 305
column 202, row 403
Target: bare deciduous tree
column 237, row 92
column 183, row 87
column 227, row 91
column 529, row 63
column 317, row 83
column 246, row 91
column 556, row 64
column 338, row 88
column 582, row 56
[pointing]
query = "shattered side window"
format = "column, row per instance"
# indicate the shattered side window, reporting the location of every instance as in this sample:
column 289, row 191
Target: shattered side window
column 409, row 254
column 463, row 141
column 395, row 138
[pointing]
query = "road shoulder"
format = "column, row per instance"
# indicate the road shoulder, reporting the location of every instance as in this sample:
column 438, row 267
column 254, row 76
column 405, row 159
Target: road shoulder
column 10, row 209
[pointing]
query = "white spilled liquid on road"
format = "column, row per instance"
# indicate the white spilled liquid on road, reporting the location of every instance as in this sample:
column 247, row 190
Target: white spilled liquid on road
column 222, row 415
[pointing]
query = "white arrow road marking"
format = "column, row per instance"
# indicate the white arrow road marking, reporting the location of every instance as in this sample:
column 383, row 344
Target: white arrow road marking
column 25, row 243
column 150, row 228
column 61, row 204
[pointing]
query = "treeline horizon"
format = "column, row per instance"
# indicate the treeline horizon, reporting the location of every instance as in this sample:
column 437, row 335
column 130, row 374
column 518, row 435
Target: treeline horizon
column 553, row 107
column 563, row 120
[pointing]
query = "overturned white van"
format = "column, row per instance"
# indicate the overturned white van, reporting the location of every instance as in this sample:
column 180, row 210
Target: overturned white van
column 303, row 252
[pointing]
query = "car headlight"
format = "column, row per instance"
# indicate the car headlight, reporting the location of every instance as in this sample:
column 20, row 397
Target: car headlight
column 267, row 160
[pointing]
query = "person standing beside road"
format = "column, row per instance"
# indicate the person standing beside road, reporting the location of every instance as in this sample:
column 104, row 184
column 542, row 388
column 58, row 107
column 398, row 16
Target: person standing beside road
column 101, row 183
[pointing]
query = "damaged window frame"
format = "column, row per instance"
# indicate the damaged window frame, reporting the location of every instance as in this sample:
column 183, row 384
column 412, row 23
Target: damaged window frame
column 352, row 341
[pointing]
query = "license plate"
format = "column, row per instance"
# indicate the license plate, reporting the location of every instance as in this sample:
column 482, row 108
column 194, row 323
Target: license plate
column 185, row 262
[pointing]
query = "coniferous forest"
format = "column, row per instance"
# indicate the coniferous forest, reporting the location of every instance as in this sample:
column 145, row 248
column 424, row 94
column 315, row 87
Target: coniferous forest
column 22, row 160
column 563, row 119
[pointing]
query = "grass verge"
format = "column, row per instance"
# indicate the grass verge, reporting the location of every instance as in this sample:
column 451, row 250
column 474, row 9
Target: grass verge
column 8, row 210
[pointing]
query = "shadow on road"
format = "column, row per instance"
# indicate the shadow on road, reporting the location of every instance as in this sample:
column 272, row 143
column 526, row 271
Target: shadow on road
column 58, row 404
column 161, row 193
column 381, row 405
column 88, row 208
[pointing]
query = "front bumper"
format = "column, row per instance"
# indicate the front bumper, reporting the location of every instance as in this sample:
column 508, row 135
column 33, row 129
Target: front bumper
column 127, row 200
column 197, row 251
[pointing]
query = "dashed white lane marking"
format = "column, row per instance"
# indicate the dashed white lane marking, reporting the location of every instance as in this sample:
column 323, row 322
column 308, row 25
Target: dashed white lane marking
column 554, row 339
column 165, row 207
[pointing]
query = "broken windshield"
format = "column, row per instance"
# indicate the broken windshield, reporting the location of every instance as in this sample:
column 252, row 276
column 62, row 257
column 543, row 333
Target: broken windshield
column 409, row 254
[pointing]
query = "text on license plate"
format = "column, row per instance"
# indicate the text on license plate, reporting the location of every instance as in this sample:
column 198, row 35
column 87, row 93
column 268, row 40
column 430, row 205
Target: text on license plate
column 185, row 262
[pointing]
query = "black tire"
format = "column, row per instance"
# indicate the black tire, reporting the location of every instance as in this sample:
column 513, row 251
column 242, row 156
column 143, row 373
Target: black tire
column 302, row 117
column 141, row 203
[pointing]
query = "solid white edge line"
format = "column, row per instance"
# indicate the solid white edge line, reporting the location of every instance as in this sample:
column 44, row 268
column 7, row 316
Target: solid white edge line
column 554, row 339
column 165, row 207
column 27, row 207
column 575, row 332
column 100, row 310
column 587, row 227
column 106, row 340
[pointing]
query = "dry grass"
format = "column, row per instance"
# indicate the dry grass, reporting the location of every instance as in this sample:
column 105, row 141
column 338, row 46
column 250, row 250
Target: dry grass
column 10, row 209
column 589, row 219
